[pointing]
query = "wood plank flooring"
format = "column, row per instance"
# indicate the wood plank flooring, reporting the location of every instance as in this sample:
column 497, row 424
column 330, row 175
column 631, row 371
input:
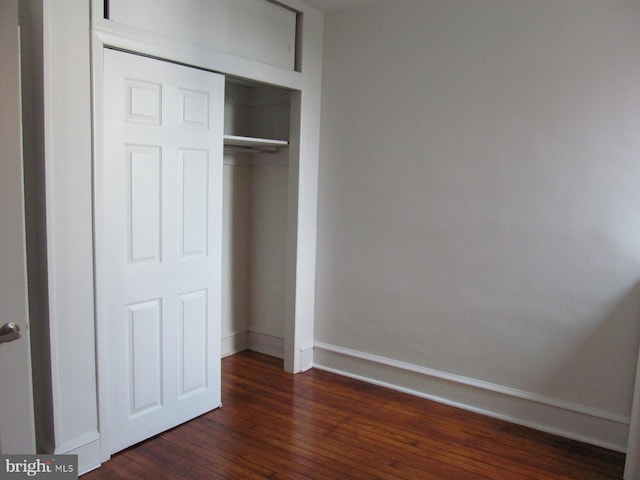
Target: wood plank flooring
column 318, row 425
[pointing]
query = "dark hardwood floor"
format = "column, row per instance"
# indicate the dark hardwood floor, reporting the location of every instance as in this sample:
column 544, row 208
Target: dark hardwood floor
column 318, row 425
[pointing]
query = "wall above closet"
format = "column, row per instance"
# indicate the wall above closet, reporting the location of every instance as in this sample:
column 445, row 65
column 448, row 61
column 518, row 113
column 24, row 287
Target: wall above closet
column 254, row 29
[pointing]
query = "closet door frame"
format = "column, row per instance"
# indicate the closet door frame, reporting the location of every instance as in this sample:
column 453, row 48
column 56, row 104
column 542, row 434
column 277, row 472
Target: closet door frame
column 302, row 203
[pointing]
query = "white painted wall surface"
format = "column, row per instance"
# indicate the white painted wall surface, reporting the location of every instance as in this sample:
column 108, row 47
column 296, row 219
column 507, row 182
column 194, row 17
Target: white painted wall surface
column 268, row 248
column 255, row 252
column 68, row 172
column 236, row 224
column 479, row 190
column 255, row 29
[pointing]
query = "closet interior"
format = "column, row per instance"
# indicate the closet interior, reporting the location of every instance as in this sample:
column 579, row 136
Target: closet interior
column 255, row 203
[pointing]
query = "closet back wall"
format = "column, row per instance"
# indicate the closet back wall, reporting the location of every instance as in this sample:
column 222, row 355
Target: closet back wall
column 254, row 252
column 236, row 225
column 478, row 205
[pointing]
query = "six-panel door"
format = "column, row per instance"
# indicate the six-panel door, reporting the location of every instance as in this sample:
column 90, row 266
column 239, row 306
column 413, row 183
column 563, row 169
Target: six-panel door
column 161, row 196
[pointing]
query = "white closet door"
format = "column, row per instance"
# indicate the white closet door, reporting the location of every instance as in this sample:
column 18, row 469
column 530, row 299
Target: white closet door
column 161, row 201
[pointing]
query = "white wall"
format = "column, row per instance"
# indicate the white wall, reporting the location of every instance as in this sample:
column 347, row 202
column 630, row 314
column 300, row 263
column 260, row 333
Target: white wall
column 478, row 205
column 254, row 252
column 268, row 248
column 253, row 29
column 236, row 224
column 69, row 227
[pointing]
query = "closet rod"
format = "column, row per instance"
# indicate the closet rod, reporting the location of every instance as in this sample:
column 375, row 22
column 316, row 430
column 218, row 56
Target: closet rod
column 235, row 148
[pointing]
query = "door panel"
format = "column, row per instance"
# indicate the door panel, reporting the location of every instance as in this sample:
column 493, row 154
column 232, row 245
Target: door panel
column 144, row 188
column 161, row 200
column 16, row 399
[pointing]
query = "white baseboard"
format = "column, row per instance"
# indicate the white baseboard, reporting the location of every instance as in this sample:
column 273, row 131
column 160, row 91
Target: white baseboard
column 249, row 340
column 267, row 344
column 88, row 450
column 234, row 343
column 559, row 417
column 306, row 357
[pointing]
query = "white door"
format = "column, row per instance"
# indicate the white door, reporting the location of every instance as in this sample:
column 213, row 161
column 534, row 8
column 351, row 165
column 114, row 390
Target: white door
column 159, row 222
column 16, row 399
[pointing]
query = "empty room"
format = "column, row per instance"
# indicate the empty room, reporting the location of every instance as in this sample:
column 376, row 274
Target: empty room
column 322, row 238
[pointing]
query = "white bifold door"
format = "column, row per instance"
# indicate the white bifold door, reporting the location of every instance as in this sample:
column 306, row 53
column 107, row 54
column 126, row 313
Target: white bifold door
column 158, row 230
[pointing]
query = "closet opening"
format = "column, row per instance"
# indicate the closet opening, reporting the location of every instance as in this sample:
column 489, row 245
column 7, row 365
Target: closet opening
column 256, row 199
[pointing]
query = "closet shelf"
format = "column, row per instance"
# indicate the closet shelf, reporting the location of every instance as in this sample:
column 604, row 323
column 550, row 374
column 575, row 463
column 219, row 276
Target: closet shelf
column 252, row 142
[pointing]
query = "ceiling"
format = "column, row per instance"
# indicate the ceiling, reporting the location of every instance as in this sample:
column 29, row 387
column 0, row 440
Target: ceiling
column 335, row 5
